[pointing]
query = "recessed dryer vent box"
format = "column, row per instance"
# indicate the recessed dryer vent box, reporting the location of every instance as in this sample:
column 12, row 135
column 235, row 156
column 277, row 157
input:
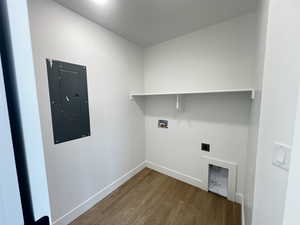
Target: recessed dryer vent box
column 218, row 180
column 69, row 100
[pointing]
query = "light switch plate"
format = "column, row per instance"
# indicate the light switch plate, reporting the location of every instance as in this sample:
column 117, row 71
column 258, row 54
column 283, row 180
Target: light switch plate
column 281, row 156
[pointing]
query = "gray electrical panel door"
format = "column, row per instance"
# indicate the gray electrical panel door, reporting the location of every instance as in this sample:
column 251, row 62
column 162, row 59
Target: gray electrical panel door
column 69, row 100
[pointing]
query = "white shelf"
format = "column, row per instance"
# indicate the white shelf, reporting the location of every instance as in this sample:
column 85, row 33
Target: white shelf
column 250, row 91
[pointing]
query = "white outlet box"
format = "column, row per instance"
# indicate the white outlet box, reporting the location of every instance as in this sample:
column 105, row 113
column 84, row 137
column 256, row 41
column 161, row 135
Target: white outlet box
column 281, row 156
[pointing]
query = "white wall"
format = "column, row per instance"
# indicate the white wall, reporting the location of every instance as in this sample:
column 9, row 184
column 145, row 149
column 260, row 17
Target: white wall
column 255, row 112
column 10, row 202
column 218, row 57
column 221, row 120
column 79, row 169
column 292, row 207
column 278, row 110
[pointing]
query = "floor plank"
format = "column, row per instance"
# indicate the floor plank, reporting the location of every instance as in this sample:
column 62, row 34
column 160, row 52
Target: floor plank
column 151, row 198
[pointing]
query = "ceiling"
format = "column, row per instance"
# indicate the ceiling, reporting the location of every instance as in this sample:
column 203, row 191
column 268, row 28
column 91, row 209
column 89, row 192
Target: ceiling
column 149, row 22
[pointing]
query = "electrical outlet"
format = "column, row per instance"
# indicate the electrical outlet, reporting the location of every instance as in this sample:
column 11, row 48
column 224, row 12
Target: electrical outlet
column 281, row 156
column 205, row 147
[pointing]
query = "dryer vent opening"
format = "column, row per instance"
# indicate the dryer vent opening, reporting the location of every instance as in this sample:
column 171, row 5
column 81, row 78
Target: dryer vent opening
column 218, row 180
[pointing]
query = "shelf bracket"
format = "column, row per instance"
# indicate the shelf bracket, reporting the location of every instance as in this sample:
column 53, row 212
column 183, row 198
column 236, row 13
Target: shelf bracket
column 253, row 94
column 131, row 97
column 179, row 103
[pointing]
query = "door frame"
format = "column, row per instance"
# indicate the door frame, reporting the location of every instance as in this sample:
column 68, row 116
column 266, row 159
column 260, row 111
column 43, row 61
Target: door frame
column 10, row 200
column 22, row 104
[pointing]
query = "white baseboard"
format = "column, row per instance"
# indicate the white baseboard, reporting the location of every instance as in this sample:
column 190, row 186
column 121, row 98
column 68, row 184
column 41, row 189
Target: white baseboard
column 186, row 178
column 240, row 200
column 177, row 175
column 89, row 203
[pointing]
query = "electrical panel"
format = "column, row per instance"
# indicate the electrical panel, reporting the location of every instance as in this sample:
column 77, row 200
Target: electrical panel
column 69, row 100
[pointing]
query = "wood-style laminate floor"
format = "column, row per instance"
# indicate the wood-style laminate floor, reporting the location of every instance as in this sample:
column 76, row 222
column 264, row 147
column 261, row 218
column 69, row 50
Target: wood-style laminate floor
column 151, row 198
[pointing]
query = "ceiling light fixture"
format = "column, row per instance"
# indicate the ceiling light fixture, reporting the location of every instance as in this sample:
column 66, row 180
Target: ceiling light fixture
column 101, row 2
